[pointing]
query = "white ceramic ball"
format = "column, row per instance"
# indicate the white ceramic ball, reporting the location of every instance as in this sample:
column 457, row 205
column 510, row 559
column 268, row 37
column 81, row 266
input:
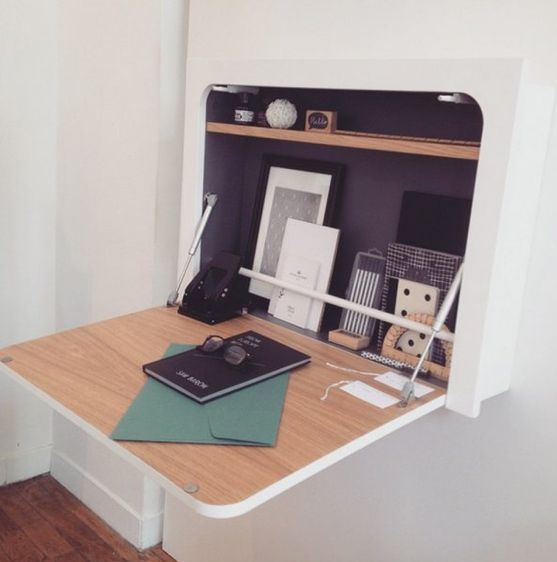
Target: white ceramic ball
column 281, row 114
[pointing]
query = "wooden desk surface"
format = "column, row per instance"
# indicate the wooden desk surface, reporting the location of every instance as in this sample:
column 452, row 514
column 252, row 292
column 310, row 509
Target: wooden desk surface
column 95, row 371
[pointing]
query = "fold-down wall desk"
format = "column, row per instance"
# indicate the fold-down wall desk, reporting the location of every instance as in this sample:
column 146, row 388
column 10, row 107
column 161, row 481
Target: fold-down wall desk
column 91, row 375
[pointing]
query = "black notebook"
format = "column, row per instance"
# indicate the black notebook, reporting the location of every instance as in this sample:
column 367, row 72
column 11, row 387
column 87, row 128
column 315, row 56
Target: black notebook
column 204, row 376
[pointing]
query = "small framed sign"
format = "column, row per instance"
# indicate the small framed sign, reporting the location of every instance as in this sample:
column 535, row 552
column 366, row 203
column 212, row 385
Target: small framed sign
column 321, row 121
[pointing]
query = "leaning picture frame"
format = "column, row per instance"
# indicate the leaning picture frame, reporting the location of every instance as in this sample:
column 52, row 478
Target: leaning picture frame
column 288, row 188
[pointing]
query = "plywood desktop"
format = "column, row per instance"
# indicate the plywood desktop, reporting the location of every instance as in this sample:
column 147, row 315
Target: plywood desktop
column 92, row 374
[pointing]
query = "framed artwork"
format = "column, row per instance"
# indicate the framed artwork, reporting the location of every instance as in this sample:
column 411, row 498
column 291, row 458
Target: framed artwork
column 288, row 188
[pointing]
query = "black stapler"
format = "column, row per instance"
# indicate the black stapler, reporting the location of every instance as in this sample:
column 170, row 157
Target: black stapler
column 217, row 293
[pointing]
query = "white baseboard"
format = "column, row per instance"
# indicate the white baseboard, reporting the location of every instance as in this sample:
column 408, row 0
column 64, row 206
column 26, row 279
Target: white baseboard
column 142, row 532
column 23, row 465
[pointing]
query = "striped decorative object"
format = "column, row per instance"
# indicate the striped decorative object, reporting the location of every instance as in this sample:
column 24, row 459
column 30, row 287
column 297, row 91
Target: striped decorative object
column 366, row 283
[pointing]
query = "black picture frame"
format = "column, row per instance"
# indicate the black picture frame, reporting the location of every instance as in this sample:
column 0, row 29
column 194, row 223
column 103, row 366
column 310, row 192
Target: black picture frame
column 313, row 183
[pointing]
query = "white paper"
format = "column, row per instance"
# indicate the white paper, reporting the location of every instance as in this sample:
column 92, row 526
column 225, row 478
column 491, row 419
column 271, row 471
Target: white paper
column 288, row 305
column 396, row 380
column 292, row 307
column 369, row 394
column 311, row 242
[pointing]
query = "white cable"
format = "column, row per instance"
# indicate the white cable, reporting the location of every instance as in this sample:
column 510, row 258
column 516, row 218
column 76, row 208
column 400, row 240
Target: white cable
column 346, row 370
column 326, row 393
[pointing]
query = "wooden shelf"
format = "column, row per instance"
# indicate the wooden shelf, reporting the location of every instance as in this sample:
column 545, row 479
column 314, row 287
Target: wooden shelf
column 406, row 145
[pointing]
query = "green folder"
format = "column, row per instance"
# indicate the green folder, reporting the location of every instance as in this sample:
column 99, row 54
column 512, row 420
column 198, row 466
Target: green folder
column 250, row 416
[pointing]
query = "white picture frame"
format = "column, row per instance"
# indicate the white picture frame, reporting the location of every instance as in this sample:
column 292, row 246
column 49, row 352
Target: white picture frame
column 289, row 188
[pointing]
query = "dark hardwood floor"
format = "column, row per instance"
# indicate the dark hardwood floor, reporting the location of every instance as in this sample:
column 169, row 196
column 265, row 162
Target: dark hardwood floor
column 41, row 520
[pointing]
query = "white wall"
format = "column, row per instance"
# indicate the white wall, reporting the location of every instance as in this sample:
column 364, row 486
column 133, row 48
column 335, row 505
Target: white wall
column 121, row 97
column 445, row 488
column 107, row 157
column 361, row 29
column 91, row 113
column 28, row 86
column 174, row 35
column 28, row 117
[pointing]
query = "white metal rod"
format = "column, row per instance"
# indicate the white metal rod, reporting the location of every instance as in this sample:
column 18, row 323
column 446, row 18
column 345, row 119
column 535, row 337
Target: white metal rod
column 348, row 305
column 407, row 392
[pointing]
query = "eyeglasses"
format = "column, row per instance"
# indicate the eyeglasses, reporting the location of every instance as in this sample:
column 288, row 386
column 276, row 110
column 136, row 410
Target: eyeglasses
column 232, row 353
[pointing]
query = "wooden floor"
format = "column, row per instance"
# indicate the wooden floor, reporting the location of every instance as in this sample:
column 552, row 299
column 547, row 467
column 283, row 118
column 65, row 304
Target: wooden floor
column 41, row 520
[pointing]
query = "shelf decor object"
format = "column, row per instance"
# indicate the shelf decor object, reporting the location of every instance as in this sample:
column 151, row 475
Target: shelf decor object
column 281, row 114
column 321, row 121
column 243, row 112
column 288, row 188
